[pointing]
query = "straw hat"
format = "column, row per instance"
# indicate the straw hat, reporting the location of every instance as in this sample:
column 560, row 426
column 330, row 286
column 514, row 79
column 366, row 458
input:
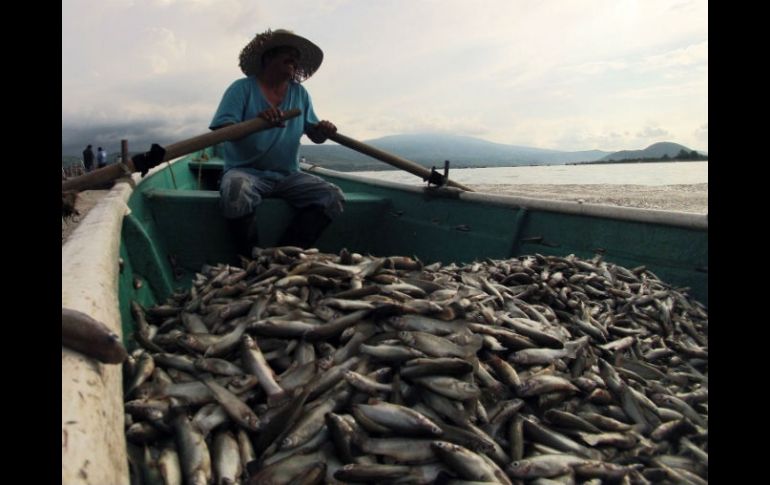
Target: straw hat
column 310, row 54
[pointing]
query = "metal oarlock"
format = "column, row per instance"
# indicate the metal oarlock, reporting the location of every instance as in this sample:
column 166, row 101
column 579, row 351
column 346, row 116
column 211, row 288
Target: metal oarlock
column 436, row 178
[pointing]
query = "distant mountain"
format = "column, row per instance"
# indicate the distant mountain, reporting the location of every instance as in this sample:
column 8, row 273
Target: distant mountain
column 656, row 150
column 432, row 149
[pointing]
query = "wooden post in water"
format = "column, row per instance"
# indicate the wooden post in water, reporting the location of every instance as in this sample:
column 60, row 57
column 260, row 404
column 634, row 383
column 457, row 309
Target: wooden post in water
column 123, row 150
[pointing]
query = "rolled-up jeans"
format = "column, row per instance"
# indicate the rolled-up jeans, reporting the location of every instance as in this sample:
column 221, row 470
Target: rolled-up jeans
column 242, row 190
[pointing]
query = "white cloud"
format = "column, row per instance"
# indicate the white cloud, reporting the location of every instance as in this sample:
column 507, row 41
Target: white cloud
column 702, row 135
column 666, row 91
column 667, row 62
column 652, row 132
column 552, row 74
column 684, row 57
column 598, row 67
column 163, row 49
column 426, row 123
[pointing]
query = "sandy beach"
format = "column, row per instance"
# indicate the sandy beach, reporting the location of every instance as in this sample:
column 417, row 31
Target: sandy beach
column 680, row 198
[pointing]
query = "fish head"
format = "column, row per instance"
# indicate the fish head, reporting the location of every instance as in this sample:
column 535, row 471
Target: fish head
column 519, row 469
column 444, row 446
column 406, row 337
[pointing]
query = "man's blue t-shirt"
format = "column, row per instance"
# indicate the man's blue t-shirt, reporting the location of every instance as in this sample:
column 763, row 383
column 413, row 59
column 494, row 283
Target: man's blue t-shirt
column 275, row 150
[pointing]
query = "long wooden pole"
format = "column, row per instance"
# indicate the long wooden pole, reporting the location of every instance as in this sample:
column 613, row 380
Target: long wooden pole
column 389, row 158
column 116, row 170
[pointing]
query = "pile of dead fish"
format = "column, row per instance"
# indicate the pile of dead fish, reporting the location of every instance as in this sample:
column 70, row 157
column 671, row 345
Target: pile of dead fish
column 303, row 367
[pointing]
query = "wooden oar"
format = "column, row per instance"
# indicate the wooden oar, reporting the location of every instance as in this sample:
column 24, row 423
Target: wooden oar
column 116, row 170
column 391, row 159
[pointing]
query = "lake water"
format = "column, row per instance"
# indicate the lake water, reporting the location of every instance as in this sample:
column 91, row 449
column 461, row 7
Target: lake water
column 670, row 173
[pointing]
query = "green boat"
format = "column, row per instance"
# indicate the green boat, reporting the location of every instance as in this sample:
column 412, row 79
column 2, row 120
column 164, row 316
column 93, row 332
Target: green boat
column 144, row 242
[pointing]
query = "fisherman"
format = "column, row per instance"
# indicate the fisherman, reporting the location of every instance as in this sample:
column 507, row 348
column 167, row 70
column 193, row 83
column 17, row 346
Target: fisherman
column 266, row 164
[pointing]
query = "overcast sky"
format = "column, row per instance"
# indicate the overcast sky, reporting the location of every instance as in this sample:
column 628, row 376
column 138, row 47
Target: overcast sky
column 558, row 74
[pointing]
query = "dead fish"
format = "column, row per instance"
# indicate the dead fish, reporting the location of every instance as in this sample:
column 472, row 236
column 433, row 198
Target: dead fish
column 530, row 328
column 424, row 366
column 399, row 418
column 454, row 338
column 404, row 450
column 371, row 472
column 281, row 422
column 544, row 466
column 617, row 440
column 450, row 387
column 194, row 454
column 226, row 458
column 569, row 420
column 542, row 384
column 239, row 411
column 255, row 363
column 435, row 346
column 343, row 433
column 469, row 465
column 549, row 437
column 546, row 356
column 90, row 337
column 208, row 417
column 218, row 366
column 391, row 353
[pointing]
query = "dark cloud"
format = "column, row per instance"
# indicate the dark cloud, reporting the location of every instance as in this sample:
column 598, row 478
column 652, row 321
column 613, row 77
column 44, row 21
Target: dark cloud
column 140, row 135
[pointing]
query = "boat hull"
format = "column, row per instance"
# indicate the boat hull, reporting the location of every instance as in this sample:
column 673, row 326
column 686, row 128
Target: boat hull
column 153, row 238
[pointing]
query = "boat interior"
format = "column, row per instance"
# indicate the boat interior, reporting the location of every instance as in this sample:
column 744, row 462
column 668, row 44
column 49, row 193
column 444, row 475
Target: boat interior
column 175, row 226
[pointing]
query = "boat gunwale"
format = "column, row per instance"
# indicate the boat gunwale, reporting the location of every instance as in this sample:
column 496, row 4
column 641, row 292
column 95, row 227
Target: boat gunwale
column 92, row 402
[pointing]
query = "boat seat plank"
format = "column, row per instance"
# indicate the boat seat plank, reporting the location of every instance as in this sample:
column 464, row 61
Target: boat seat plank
column 214, row 165
column 195, row 232
column 212, row 197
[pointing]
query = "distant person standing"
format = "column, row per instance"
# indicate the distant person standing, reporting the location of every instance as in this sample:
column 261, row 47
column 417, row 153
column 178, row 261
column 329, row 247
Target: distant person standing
column 101, row 157
column 88, row 158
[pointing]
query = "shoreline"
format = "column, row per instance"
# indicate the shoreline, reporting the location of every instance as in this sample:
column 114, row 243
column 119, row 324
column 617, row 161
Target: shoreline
column 679, row 198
